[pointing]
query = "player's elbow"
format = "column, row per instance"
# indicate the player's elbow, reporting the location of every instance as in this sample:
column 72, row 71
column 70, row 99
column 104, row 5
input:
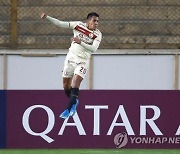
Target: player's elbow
column 93, row 49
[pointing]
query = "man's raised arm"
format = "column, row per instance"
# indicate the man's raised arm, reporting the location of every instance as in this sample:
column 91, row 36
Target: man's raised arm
column 63, row 24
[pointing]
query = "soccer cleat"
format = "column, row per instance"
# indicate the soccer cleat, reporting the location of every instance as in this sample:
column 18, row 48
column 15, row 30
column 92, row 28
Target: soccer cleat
column 65, row 114
column 73, row 108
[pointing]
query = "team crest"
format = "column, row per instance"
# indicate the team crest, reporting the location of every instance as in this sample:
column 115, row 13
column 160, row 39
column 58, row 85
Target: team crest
column 91, row 35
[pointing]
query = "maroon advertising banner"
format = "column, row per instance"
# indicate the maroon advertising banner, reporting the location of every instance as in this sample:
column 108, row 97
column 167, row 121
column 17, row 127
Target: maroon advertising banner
column 104, row 119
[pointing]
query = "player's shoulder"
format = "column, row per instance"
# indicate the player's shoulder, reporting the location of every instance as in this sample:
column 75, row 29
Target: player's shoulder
column 77, row 22
column 80, row 23
column 98, row 32
column 73, row 24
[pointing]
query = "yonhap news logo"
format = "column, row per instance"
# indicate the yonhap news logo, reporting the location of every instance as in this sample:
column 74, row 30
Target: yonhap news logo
column 122, row 139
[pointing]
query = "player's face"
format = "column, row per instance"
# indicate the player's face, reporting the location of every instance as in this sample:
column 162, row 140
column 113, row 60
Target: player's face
column 93, row 23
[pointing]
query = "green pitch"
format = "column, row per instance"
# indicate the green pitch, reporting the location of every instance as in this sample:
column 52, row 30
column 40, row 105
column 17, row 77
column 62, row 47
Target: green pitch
column 88, row 151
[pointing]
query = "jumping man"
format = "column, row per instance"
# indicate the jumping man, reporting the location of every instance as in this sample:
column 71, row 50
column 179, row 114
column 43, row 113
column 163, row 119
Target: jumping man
column 85, row 41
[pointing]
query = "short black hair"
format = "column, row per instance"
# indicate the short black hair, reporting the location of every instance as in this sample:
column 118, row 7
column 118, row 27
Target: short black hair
column 90, row 15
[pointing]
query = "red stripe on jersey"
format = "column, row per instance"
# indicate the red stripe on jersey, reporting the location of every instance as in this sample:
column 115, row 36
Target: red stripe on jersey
column 86, row 32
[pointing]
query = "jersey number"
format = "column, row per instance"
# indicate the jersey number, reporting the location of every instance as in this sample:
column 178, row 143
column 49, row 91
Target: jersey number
column 83, row 70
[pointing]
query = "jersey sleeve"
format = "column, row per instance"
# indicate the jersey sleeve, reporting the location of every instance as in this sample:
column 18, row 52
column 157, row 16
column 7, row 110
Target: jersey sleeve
column 94, row 46
column 99, row 38
column 63, row 24
column 73, row 24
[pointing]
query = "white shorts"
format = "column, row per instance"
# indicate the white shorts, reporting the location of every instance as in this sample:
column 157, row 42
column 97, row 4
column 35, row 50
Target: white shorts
column 75, row 65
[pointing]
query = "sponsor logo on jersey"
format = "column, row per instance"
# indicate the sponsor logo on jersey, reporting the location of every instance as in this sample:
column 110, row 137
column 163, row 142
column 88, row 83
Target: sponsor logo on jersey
column 86, row 32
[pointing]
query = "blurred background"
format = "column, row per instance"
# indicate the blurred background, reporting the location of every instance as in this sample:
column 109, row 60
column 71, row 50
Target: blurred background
column 140, row 45
column 124, row 23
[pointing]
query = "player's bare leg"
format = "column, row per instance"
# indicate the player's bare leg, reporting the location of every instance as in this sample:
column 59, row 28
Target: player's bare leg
column 76, row 81
column 73, row 101
column 67, row 86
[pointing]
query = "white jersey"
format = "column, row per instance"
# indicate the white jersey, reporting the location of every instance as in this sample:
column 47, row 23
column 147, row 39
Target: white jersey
column 90, row 39
column 87, row 36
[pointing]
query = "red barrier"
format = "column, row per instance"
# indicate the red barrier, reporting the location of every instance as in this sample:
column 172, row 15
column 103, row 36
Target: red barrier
column 104, row 119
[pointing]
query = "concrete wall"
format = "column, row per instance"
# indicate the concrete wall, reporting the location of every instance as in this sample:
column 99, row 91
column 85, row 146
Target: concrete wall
column 108, row 71
column 36, row 72
column 1, row 72
column 133, row 72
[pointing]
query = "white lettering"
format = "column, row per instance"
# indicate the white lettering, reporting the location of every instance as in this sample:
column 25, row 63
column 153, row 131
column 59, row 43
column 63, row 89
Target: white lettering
column 96, row 130
column 138, row 140
column 164, row 139
column 152, row 140
column 172, row 140
column 144, row 140
column 158, row 140
column 76, row 123
column 177, row 140
column 51, row 121
column 132, row 139
column 178, row 131
column 125, row 122
column 151, row 122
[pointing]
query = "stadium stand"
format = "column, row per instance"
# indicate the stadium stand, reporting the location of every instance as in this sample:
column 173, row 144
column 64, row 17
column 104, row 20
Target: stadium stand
column 124, row 23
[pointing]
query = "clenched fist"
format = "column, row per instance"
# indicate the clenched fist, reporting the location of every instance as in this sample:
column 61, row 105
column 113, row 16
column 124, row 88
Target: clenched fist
column 43, row 15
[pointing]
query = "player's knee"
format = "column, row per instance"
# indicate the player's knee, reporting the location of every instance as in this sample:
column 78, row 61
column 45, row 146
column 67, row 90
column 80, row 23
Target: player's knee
column 66, row 83
column 66, row 86
column 76, row 81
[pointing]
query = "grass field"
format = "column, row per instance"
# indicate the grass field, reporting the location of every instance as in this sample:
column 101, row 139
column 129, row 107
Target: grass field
column 88, row 151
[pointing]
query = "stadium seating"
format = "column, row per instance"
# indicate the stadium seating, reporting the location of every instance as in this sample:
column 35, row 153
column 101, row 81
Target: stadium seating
column 121, row 21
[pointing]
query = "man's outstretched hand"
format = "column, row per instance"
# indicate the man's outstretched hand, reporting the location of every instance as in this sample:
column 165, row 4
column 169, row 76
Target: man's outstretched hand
column 43, row 15
column 76, row 39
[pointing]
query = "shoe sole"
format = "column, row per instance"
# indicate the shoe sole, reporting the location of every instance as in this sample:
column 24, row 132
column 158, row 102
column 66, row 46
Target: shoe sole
column 75, row 110
column 63, row 117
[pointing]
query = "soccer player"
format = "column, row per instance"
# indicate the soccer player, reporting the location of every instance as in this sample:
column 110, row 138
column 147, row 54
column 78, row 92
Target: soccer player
column 85, row 41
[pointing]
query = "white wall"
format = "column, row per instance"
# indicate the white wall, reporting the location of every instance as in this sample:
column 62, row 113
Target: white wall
column 179, row 73
column 36, row 72
column 109, row 72
column 1, row 72
column 133, row 72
